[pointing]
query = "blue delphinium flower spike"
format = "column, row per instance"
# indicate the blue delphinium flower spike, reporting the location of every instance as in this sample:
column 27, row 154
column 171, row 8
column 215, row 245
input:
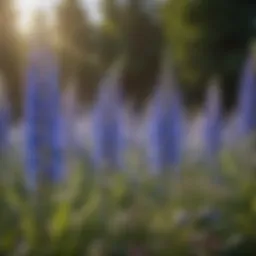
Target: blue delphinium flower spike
column 69, row 118
column 43, row 117
column 213, row 122
column 108, row 131
column 165, row 128
column 4, row 119
column 247, row 99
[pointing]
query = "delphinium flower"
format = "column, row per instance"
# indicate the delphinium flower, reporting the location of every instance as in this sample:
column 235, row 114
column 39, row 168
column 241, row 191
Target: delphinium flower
column 108, row 124
column 165, row 127
column 213, row 122
column 247, row 99
column 4, row 119
column 69, row 118
column 44, row 157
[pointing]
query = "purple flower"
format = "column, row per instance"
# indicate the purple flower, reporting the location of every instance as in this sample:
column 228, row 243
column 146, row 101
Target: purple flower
column 108, row 125
column 69, row 119
column 43, row 117
column 165, row 128
column 213, row 124
column 247, row 99
column 4, row 120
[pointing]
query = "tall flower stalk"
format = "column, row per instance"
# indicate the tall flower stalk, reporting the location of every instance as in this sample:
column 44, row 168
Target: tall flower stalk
column 69, row 118
column 213, row 122
column 4, row 119
column 247, row 98
column 44, row 160
column 108, row 134
column 108, row 130
column 165, row 126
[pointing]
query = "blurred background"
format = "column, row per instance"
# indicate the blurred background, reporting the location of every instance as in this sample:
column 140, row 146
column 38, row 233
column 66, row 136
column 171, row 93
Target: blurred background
column 202, row 38
column 165, row 171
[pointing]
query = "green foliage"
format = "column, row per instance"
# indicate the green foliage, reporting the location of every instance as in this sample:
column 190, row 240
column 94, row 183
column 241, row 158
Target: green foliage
column 76, row 49
column 189, row 214
column 182, row 37
column 110, row 32
column 205, row 37
column 209, row 37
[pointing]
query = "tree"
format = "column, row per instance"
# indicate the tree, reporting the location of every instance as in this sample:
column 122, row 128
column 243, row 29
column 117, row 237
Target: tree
column 110, row 32
column 74, row 42
column 142, row 47
column 227, row 29
column 208, row 37
column 183, row 42
column 10, row 53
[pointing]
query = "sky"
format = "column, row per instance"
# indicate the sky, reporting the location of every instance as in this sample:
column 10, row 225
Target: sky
column 26, row 9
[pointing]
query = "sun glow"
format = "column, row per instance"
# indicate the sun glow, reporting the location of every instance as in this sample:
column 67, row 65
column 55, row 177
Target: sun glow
column 27, row 9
